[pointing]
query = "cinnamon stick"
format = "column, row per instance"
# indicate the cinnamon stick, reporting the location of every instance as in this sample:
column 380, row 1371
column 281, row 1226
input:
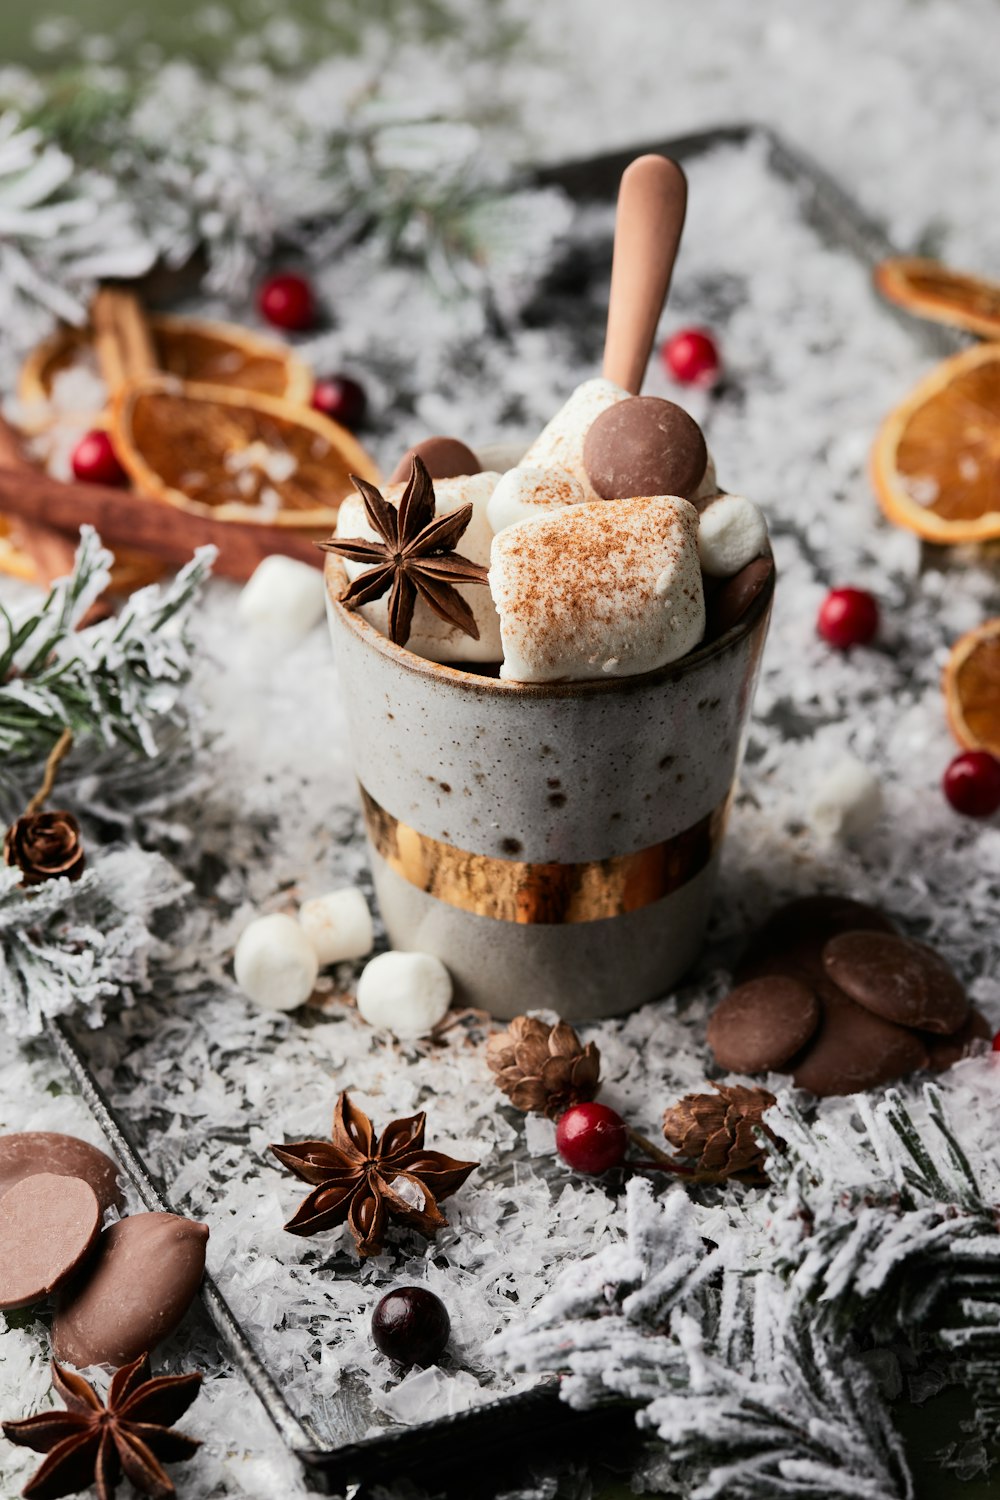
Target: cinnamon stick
column 125, row 519
column 122, row 340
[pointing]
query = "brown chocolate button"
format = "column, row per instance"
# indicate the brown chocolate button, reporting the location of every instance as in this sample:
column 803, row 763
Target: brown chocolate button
column 944, row 1051
column 644, row 446
column 762, row 1024
column 444, row 458
column 854, row 1050
column 730, row 601
column 897, row 979
column 146, row 1275
column 792, row 939
column 32, row 1151
column 48, row 1225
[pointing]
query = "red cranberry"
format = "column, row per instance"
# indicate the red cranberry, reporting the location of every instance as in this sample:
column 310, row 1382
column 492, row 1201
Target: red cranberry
column 972, row 783
column 411, row 1326
column 592, row 1138
column 340, row 397
column 847, row 617
column 996, row 1042
column 287, row 301
column 692, row 357
column 94, row 460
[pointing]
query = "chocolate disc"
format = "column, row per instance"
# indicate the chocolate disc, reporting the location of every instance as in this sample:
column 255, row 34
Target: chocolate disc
column 855, row 1050
column 792, row 939
column 32, row 1151
column 897, row 979
column 146, row 1275
column 762, row 1024
column 731, row 600
column 944, row 1051
column 444, row 458
column 48, row 1225
column 644, row 446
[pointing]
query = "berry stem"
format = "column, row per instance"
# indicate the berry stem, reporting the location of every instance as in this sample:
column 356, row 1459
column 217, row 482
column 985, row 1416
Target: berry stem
column 660, row 1158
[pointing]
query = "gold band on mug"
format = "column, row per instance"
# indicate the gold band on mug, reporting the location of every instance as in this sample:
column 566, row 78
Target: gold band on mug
column 513, row 890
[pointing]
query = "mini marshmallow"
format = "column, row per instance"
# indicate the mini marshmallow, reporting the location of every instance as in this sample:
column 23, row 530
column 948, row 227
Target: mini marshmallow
column 708, row 489
column 430, row 636
column 606, row 589
column 847, row 801
column 560, row 443
column 338, row 925
column 405, row 993
column 283, row 596
column 276, row 966
column 524, row 494
column 731, row 533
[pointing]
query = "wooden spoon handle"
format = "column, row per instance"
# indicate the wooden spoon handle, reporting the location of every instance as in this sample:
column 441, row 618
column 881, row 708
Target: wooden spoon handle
column 652, row 201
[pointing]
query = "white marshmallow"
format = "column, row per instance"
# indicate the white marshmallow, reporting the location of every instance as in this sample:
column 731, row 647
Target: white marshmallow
column 283, row 596
column 524, row 494
column 708, row 488
column 338, row 925
column 560, row 443
column 847, row 802
column 607, row 589
column 430, row 636
column 731, row 533
column 405, row 993
column 276, row 966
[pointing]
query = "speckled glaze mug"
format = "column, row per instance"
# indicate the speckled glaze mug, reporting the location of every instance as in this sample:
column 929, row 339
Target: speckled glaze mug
column 555, row 844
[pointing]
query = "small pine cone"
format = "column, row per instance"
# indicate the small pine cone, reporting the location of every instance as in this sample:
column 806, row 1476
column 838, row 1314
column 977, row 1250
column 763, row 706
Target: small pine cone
column 45, row 846
column 543, row 1069
column 717, row 1130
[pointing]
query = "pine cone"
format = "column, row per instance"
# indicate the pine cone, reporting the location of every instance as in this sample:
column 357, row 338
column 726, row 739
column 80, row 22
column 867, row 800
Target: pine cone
column 717, row 1130
column 44, row 846
column 543, row 1069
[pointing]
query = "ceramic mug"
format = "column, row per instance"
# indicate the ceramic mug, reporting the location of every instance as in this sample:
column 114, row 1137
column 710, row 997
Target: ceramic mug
column 555, row 844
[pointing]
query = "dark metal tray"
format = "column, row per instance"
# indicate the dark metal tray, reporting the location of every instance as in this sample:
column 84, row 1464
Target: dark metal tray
column 504, row 1430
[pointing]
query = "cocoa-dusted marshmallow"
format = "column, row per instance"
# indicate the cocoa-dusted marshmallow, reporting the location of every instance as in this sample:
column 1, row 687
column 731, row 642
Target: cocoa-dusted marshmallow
column 524, row 494
column 430, row 636
column 598, row 590
column 559, row 445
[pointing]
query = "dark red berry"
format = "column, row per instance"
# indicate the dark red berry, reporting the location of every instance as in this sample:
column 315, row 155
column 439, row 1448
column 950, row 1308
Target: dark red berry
column 287, row 301
column 411, row 1326
column 996, row 1042
column 692, row 357
column 972, row 783
column 847, row 617
column 591, row 1138
column 340, row 397
column 94, row 460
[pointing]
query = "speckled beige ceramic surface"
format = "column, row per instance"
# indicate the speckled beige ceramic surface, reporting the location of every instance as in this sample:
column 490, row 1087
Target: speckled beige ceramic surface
column 555, row 844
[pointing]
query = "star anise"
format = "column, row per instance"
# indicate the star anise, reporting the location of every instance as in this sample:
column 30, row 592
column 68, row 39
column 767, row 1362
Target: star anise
column 366, row 1183
column 415, row 557
column 90, row 1443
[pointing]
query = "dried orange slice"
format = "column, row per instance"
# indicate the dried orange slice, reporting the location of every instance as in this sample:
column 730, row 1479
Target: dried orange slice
column 235, row 455
column 191, row 348
column 972, row 688
column 931, row 290
column 936, row 460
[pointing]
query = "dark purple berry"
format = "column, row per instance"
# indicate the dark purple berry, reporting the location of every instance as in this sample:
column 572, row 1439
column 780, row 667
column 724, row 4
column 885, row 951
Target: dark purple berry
column 411, row 1326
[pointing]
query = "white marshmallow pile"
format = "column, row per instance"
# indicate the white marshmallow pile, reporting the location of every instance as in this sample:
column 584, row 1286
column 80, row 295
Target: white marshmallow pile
column 610, row 588
column 278, row 958
column 283, row 597
column 731, row 533
column 407, row 994
column 430, row 636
